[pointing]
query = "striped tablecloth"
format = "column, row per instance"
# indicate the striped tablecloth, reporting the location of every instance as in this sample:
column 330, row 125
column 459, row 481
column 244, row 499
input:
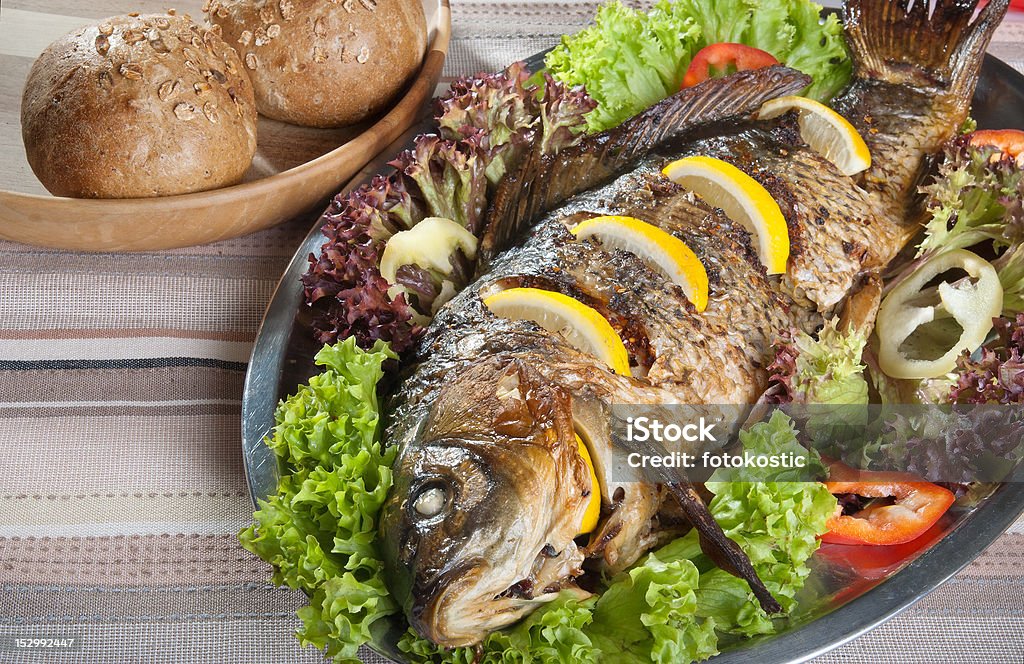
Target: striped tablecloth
column 121, row 483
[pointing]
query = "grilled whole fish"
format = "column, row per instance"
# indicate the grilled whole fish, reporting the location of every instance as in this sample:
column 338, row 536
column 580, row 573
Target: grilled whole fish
column 490, row 489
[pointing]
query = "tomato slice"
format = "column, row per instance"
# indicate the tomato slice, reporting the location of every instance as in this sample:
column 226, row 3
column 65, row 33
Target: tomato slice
column 722, row 59
column 917, row 506
column 1010, row 141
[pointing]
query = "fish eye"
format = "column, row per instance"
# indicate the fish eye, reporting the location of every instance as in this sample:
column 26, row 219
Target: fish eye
column 430, row 500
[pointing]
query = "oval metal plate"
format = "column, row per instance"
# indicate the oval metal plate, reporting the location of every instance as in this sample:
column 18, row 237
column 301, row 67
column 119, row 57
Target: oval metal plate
column 839, row 602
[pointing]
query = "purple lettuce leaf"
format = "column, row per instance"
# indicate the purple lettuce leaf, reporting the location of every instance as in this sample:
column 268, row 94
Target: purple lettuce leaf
column 487, row 123
column 562, row 115
column 450, row 177
column 997, row 377
column 343, row 285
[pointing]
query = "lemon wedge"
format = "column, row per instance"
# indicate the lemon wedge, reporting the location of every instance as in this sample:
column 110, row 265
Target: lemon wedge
column 593, row 513
column 666, row 252
column 742, row 198
column 828, row 133
column 582, row 327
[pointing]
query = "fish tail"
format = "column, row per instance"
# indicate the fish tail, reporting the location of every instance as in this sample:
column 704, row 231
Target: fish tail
column 902, row 42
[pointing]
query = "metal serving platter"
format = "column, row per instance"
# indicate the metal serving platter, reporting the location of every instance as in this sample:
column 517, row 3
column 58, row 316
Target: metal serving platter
column 850, row 590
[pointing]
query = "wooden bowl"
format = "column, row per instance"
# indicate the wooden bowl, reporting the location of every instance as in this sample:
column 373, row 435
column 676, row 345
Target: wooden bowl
column 295, row 169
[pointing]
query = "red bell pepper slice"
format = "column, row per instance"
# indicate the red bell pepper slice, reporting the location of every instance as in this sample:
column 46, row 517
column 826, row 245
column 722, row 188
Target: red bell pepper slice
column 878, row 562
column 722, row 59
column 1010, row 141
column 917, row 506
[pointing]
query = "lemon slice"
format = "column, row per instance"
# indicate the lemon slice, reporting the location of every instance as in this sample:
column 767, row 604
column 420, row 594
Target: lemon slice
column 583, row 327
column 593, row 513
column 665, row 251
column 828, row 133
column 741, row 197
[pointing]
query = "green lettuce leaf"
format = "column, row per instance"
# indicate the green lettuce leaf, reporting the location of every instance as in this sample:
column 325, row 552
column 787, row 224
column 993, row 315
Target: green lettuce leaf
column 827, row 370
column 629, row 60
column 337, row 413
column 289, row 537
column 776, row 437
column 976, row 197
column 1010, row 267
column 319, row 529
column 675, row 603
column 776, row 523
column 649, row 613
column 342, row 612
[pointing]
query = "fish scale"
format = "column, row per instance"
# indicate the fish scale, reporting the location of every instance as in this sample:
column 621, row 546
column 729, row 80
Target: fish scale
column 832, row 222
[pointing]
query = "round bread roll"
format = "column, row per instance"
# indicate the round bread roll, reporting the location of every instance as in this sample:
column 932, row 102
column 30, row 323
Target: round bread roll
column 324, row 63
column 138, row 106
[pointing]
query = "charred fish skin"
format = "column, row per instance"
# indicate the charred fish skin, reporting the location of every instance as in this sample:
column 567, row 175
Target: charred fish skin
column 542, row 182
column 539, row 183
column 831, row 221
column 715, row 357
column 915, row 71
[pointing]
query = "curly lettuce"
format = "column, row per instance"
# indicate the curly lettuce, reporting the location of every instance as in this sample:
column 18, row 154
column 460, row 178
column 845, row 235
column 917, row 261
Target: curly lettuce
column 649, row 612
column 683, row 602
column 969, row 431
column 997, row 376
column 495, row 113
column 337, row 414
column 319, row 529
column 487, row 124
column 794, row 31
column 827, row 370
column 976, row 197
column 451, row 178
column 343, row 287
column 629, row 60
column 777, row 524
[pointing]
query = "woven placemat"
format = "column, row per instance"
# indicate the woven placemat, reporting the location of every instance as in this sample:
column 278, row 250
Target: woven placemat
column 121, row 486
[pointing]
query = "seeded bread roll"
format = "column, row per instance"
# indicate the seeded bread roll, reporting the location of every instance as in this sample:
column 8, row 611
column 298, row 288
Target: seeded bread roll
column 138, row 106
column 324, row 63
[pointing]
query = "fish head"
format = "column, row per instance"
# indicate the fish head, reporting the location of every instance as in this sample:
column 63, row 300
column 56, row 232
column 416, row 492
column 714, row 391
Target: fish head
column 487, row 499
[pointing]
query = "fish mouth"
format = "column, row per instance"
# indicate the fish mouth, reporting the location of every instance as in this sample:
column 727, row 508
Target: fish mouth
column 431, row 600
column 461, row 606
column 456, row 609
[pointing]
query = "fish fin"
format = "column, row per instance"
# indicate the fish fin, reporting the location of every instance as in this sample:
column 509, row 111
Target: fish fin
column 723, row 551
column 902, row 42
column 541, row 182
column 858, row 312
column 716, row 545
